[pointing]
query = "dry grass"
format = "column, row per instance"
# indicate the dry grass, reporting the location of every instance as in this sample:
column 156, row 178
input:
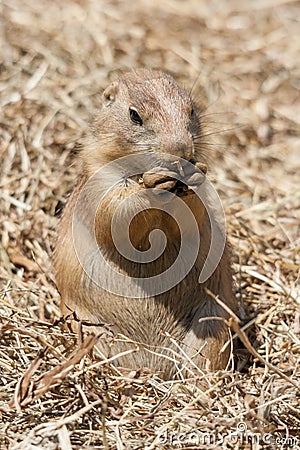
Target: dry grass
column 55, row 58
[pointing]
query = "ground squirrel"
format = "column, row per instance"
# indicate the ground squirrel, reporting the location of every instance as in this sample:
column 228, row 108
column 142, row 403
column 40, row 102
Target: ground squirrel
column 145, row 113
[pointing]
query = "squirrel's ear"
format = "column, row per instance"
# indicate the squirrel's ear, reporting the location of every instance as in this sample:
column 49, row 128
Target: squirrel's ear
column 110, row 93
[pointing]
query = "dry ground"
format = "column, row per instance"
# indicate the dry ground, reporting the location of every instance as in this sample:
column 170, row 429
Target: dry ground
column 55, row 58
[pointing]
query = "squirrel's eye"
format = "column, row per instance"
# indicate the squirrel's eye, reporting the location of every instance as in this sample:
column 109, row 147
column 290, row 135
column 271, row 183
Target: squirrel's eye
column 135, row 117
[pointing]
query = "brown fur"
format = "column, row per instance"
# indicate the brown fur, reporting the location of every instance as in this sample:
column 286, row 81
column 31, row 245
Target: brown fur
column 168, row 127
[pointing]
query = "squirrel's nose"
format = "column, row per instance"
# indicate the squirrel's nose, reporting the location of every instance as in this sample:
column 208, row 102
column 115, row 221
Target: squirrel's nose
column 181, row 148
column 183, row 151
